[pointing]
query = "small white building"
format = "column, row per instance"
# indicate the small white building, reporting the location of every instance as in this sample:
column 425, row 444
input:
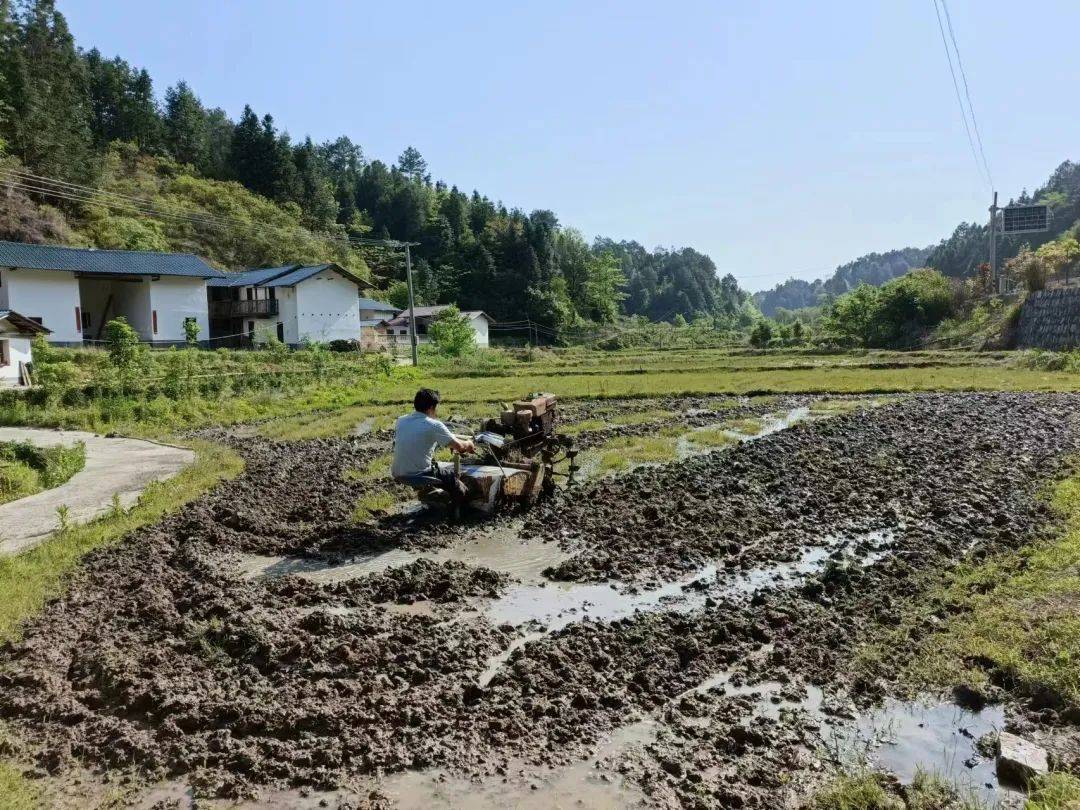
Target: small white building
column 74, row 292
column 397, row 328
column 294, row 303
column 16, row 334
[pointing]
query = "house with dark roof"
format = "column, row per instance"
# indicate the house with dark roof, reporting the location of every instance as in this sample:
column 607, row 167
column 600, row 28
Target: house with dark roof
column 293, row 302
column 16, row 333
column 73, row 292
column 397, row 328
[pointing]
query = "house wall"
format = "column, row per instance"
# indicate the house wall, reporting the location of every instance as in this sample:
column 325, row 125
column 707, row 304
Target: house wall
column 51, row 295
column 16, row 350
column 132, row 300
column 176, row 298
column 480, row 326
column 327, row 308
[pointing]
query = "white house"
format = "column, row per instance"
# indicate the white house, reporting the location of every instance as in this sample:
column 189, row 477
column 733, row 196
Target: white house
column 73, row 292
column 397, row 328
column 294, row 303
column 16, row 332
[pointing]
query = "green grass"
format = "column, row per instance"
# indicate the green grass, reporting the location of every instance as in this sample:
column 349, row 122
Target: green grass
column 640, row 417
column 29, row 579
column 378, row 467
column 836, row 406
column 749, row 425
column 856, row 791
column 863, row 790
column 370, row 505
column 711, row 437
column 1054, row 791
column 1019, row 610
column 624, row 451
column 26, row 468
column 16, row 791
column 574, row 428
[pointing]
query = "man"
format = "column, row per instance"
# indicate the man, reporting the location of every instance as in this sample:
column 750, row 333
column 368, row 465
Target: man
column 417, row 434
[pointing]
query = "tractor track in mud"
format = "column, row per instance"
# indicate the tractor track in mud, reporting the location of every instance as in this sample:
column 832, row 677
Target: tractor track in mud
column 161, row 657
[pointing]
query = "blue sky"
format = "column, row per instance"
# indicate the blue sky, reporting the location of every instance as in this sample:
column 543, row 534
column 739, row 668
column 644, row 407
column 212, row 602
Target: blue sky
column 782, row 138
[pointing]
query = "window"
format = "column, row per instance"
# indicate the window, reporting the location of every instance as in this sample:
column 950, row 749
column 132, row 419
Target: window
column 250, row 293
column 87, row 321
column 5, row 354
column 153, row 318
column 281, row 331
column 78, row 320
column 271, row 294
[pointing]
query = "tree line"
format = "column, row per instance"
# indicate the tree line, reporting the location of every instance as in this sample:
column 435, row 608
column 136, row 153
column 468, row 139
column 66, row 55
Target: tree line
column 63, row 110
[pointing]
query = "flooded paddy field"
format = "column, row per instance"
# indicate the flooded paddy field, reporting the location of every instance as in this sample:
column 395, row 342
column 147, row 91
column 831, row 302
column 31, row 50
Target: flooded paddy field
column 678, row 630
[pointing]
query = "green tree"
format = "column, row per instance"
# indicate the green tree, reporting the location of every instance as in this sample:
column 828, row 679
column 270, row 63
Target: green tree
column 451, row 333
column 853, row 317
column 126, row 353
column 50, row 127
column 186, row 127
column 398, row 295
column 412, row 164
column 761, row 334
column 1058, row 256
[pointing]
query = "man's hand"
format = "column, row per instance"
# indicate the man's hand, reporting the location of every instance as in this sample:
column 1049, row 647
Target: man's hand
column 462, row 445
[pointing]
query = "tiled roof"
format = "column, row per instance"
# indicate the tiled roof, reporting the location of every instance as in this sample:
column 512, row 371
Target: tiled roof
column 380, row 306
column 89, row 260
column 284, row 276
column 22, row 323
column 425, row 313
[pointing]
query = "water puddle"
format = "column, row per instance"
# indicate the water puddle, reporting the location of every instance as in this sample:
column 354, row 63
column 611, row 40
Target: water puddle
column 905, row 737
column 581, row 784
column 502, row 549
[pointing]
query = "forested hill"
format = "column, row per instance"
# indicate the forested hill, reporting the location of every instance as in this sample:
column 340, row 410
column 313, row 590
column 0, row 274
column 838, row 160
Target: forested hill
column 962, row 252
column 873, row 268
column 176, row 174
column 958, row 255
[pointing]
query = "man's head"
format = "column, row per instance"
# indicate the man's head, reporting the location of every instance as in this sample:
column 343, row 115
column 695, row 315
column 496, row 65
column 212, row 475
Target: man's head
column 426, row 400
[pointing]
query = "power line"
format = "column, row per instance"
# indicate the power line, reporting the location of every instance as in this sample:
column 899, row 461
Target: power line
column 956, row 87
column 967, row 92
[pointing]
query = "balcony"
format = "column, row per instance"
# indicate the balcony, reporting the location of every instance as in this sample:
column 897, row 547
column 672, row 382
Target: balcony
column 262, row 308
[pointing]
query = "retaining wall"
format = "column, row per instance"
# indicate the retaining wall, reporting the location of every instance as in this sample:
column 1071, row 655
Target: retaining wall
column 1050, row 319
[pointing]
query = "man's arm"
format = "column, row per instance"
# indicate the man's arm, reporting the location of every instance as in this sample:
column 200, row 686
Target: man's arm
column 459, row 445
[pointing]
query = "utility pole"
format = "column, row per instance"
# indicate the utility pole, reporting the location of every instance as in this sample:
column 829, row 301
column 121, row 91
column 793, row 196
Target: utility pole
column 998, row 282
column 412, row 314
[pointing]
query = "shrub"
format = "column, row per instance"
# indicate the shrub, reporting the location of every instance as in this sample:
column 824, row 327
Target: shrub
column 343, row 345
column 761, row 334
column 451, row 333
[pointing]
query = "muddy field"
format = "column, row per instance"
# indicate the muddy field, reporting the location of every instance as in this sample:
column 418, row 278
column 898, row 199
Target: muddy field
column 677, row 635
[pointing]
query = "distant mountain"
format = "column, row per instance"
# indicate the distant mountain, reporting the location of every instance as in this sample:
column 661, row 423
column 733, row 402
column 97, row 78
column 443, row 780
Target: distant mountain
column 873, row 268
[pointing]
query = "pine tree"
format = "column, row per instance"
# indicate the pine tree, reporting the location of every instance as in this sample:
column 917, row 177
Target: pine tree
column 186, row 126
column 412, row 164
column 51, row 115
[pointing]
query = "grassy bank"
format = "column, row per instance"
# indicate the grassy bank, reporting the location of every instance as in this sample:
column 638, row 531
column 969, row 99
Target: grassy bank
column 29, row 579
column 314, row 390
column 26, row 468
column 1017, row 614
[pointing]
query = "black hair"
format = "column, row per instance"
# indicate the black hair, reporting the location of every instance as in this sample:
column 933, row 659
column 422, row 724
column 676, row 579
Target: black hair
column 425, row 399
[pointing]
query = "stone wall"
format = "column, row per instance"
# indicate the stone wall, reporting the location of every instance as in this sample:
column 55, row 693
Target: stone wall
column 1050, row 319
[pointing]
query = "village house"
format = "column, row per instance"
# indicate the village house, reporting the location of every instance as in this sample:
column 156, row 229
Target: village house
column 373, row 317
column 293, row 303
column 397, row 329
column 16, row 333
column 73, row 292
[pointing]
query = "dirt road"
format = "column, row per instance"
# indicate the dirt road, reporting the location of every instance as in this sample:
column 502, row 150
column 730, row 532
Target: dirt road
column 691, row 624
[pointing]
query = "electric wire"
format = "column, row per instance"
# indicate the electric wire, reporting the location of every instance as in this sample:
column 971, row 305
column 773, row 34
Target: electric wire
column 967, row 91
column 959, row 98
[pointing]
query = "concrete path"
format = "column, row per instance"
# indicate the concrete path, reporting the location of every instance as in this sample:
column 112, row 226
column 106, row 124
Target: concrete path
column 120, row 466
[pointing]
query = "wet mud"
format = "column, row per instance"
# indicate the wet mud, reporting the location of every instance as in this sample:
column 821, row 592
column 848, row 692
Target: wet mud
column 257, row 641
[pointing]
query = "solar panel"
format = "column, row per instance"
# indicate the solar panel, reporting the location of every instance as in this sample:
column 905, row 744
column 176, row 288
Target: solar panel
column 1025, row 219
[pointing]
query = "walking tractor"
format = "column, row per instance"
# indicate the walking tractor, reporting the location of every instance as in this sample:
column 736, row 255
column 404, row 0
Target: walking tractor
column 516, row 456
